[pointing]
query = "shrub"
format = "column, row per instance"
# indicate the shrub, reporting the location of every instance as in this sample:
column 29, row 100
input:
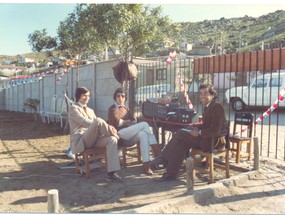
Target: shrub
column 32, row 105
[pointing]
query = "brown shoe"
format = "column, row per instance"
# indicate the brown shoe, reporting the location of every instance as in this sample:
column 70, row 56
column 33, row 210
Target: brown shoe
column 165, row 177
column 159, row 160
column 147, row 169
column 114, row 177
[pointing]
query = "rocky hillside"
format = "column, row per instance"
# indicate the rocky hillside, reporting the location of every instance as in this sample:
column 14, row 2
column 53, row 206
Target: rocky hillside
column 247, row 33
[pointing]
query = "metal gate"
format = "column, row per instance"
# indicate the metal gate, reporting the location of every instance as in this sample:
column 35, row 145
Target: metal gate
column 256, row 81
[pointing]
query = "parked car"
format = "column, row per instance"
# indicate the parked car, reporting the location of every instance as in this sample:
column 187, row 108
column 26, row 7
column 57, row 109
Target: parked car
column 152, row 92
column 263, row 91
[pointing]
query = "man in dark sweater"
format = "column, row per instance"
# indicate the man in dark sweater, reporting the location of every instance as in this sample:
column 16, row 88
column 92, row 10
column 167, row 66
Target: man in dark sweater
column 128, row 129
column 214, row 124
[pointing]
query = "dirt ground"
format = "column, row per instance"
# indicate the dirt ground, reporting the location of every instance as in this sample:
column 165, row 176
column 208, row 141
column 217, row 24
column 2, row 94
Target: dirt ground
column 32, row 154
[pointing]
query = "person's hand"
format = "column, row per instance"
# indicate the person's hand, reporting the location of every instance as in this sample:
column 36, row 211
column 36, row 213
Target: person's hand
column 194, row 133
column 113, row 129
column 134, row 121
column 127, row 122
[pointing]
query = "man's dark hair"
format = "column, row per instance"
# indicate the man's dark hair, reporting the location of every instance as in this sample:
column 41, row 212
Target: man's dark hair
column 119, row 90
column 79, row 91
column 210, row 89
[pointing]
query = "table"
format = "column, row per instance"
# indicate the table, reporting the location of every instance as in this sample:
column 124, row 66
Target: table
column 165, row 126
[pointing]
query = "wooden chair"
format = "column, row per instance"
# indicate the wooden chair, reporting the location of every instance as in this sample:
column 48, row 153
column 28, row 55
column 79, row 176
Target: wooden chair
column 243, row 128
column 126, row 150
column 87, row 155
column 210, row 156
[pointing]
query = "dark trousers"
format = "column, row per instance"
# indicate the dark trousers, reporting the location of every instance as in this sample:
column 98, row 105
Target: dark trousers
column 175, row 151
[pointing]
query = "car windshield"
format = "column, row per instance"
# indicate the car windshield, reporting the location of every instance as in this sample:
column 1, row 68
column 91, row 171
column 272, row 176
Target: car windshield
column 259, row 83
column 275, row 82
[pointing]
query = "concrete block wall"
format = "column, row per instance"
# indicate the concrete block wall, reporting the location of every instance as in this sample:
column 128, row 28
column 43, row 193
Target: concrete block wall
column 98, row 78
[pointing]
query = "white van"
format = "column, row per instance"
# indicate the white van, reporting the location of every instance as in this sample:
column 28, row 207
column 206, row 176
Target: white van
column 262, row 92
column 152, row 91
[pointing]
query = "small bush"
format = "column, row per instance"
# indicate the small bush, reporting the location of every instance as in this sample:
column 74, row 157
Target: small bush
column 32, row 105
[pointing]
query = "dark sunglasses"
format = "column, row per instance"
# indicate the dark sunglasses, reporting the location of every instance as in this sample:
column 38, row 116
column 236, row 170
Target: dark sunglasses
column 121, row 95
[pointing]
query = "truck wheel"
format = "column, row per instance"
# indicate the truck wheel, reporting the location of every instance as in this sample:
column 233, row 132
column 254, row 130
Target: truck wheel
column 238, row 104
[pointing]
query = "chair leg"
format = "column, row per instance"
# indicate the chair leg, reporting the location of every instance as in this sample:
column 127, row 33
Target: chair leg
column 238, row 152
column 139, row 153
column 87, row 167
column 248, row 150
column 124, row 151
column 87, row 156
column 232, row 147
column 194, row 165
column 211, row 163
column 77, row 163
column 227, row 164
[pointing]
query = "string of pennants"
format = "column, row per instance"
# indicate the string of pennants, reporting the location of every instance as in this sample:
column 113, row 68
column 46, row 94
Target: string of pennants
column 171, row 56
column 33, row 78
column 61, row 75
column 280, row 98
column 272, row 107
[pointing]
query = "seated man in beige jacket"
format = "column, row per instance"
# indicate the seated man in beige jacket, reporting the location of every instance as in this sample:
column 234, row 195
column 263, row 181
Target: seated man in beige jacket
column 87, row 131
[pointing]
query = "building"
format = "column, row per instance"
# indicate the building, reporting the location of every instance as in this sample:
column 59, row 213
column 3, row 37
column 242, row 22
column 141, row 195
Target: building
column 185, row 46
column 10, row 70
column 25, row 60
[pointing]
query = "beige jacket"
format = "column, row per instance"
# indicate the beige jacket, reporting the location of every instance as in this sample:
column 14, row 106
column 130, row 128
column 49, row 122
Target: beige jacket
column 79, row 121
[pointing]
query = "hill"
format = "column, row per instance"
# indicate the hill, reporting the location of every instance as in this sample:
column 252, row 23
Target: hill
column 33, row 55
column 246, row 33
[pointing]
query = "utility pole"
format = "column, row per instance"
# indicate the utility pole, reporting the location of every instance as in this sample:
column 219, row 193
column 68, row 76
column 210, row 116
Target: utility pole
column 221, row 43
column 216, row 41
column 243, row 28
column 239, row 44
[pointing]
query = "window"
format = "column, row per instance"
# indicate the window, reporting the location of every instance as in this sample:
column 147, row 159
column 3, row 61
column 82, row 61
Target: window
column 275, row 82
column 161, row 74
column 260, row 83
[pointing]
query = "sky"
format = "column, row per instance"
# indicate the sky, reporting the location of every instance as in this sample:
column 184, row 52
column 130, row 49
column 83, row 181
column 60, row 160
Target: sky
column 19, row 19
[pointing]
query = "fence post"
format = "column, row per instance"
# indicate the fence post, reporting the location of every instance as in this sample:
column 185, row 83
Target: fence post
column 189, row 175
column 53, row 203
column 256, row 153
